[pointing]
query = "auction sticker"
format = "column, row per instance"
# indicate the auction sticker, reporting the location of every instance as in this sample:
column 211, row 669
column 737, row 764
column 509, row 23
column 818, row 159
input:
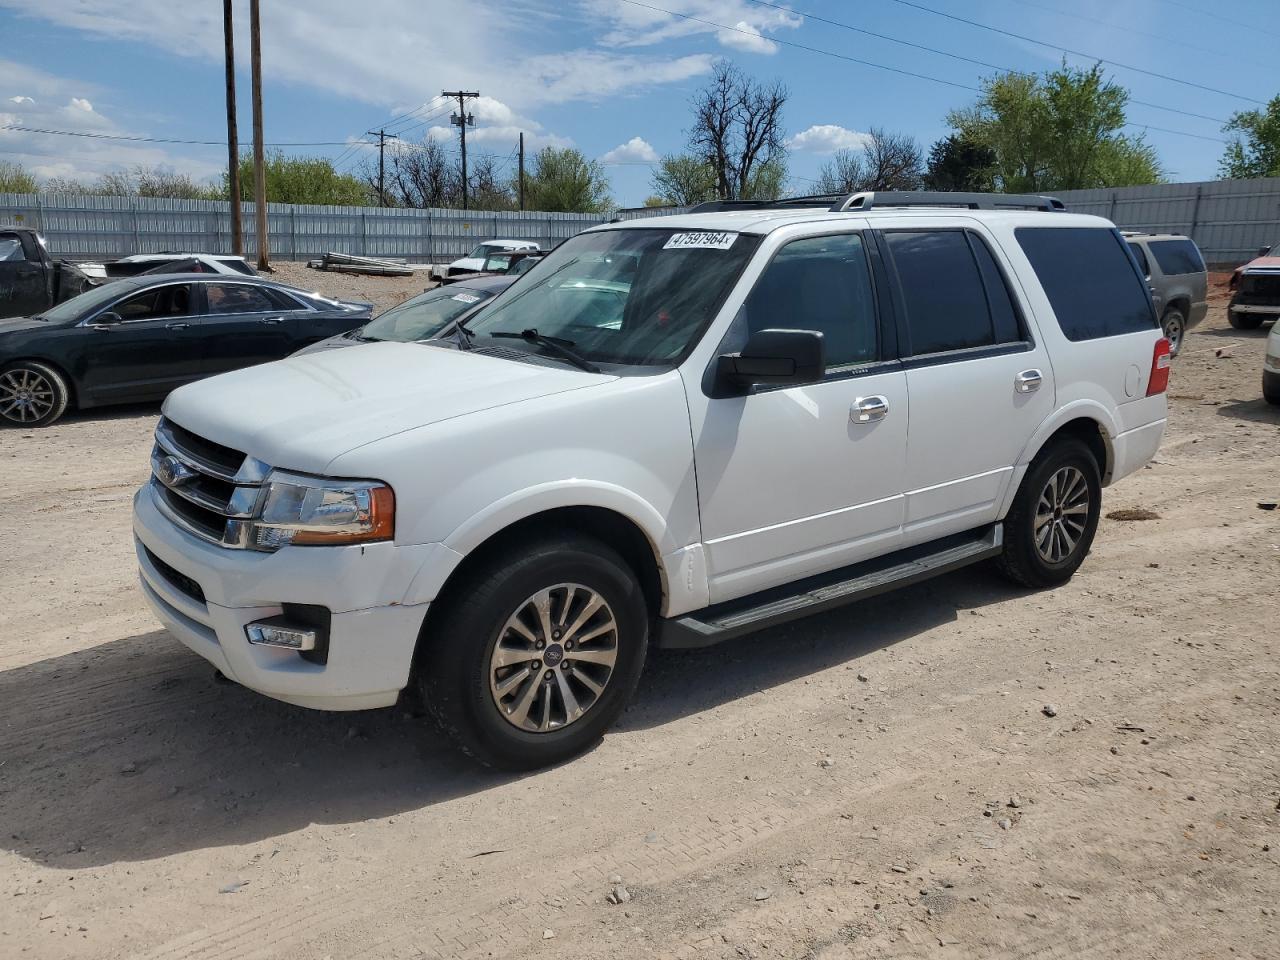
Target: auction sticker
column 700, row 241
column 466, row 297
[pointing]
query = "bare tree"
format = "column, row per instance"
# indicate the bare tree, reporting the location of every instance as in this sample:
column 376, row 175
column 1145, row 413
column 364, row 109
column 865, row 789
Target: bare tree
column 737, row 129
column 845, row 172
column 419, row 175
column 886, row 161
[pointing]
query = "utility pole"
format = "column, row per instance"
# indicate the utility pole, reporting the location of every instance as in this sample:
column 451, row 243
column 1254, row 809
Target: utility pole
column 233, row 139
column 462, row 120
column 383, row 137
column 521, row 169
column 259, row 168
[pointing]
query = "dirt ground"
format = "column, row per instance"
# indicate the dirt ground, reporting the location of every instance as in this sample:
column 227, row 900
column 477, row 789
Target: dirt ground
column 882, row 781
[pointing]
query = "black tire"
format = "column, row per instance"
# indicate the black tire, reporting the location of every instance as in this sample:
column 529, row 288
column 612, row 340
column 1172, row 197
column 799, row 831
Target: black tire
column 1244, row 321
column 1174, row 325
column 1022, row 560
column 455, row 666
column 1271, row 387
column 32, row 394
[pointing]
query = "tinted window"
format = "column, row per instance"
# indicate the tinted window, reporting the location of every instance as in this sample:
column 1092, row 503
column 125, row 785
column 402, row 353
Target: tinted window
column 171, row 301
column 1141, row 256
column 237, row 298
column 942, row 290
column 1177, row 256
column 425, row 315
column 1091, row 281
column 282, row 300
column 821, row 283
column 1004, row 315
column 239, row 266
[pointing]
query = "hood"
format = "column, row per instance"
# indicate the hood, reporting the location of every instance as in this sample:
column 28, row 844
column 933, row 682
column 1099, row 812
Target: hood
column 302, row 412
column 1266, row 263
column 15, row 324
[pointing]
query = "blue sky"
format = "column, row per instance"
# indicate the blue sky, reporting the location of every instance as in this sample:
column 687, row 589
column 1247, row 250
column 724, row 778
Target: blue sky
column 610, row 77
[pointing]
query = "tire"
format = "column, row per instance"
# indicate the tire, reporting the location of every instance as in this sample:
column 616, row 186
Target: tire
column 32, row 395
column 1244, row 321
column 1031, row 560
column 1271, row 387
column 472, row 672
column 1175, row 329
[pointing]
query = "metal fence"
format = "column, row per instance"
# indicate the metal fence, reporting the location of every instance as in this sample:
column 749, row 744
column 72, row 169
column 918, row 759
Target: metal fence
column 84, row 227
column 1228, row 219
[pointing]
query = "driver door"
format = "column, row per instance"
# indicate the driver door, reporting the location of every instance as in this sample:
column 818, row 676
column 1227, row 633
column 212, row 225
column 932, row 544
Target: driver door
column 795, row 481
column 149, row 352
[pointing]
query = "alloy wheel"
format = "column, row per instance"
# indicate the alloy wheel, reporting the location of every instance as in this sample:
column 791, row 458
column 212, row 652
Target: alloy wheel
column 553, row 658
column 1062, row 513
column 25, row 396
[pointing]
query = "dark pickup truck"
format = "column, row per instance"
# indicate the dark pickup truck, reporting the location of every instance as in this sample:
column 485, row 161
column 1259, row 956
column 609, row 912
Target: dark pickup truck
column 1255, row 290
column 31, row 281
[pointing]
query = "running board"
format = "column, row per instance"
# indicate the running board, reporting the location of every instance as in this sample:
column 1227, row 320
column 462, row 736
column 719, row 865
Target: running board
column 827, row 591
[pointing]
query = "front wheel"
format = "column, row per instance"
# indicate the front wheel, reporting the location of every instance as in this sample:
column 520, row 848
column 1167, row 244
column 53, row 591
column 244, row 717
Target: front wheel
column 1244, row 321
column 31, row 394
column 535, row 654
column 1054, row 517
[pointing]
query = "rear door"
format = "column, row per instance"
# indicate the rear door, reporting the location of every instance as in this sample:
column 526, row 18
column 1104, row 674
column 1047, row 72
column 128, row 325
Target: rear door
column 151, row 350
column 979, row 382
column 241, row 324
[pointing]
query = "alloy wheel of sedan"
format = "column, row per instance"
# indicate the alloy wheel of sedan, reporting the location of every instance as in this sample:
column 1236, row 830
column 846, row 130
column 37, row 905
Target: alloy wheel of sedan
column 553, row 658
column 26, row 395
column 1062, row 513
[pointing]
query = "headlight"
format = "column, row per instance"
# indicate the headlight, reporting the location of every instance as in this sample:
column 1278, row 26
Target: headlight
column 306, row 511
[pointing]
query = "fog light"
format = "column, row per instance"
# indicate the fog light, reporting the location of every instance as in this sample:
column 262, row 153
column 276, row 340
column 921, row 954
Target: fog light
column 279, row 632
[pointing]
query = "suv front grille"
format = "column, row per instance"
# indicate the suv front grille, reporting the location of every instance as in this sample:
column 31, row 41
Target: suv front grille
column 179, row 581
column 1260, row 288
column 203, row 487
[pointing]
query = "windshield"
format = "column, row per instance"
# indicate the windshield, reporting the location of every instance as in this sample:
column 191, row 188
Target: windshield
column 425, row 315
column 634, row 296
column 482, row 251
column 87, row 302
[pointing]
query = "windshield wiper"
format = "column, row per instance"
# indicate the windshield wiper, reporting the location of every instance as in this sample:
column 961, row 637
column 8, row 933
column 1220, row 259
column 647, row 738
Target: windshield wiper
column 557, row 345
column 467, row 335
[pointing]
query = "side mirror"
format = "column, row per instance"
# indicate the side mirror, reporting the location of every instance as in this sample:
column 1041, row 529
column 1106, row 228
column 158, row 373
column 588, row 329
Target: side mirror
column 776, row 357
column 108, row 319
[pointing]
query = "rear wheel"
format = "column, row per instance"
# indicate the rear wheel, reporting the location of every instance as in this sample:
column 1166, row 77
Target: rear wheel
column 31, row 394
column 1175, row 329
column 535, row 655
column 1054, row 516
column 1244, row 321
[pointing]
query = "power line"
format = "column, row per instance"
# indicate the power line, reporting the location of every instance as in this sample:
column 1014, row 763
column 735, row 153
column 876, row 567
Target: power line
column 202, row 143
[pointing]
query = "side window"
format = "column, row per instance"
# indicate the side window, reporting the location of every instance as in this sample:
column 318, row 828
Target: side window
column 156, row 304
column 1092, row 283
column 237, row 298
column 1177, row 256
column 942, row 288
column 283, row 301
column 1141, row 256
column 1005, row 319
column 823, row 284
column 11, row 248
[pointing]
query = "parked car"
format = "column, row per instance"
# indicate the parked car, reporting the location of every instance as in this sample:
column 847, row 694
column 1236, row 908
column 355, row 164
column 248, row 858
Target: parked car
column 675, row 430
column 137, row 339
column 1178, row 279
column 185, row 263
column 30, row 279
column 1271, row 367
column 421, row 317
column 1255, row 291
column 501, row 263
column 474, row 261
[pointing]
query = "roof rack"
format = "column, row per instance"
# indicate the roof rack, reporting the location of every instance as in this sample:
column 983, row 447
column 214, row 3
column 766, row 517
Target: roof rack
column 727, row 206
column 868, row 200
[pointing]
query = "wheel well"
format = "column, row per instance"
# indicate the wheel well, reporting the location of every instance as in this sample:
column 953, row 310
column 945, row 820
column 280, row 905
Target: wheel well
column 1089, row 431
column 1180, row 301
column 57, row 368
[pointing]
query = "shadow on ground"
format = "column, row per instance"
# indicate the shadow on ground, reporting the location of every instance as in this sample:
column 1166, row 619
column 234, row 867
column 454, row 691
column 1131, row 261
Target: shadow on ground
column 1257, row 411
column 131, row 751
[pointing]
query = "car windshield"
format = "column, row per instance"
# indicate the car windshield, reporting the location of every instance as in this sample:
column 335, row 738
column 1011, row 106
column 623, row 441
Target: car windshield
column 632, row 296
column 87, row 302
column 425, row 315
column 482, row 251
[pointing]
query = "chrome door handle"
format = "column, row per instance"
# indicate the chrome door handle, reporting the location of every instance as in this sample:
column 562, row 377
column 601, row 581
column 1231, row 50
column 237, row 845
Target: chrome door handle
column 176, row 326
column 1028, row 381
column 271, row 320
column 869, row 409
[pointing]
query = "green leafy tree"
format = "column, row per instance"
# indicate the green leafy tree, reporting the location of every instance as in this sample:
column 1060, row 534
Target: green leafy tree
column 959, row 164
column 302, row 180
column 682, row 180
column 14, row 178
column 1254, row 150
column 1056, row 131
column 565, row 181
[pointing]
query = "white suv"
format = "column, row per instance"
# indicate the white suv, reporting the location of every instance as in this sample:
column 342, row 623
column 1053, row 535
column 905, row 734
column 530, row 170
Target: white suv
column 673, row 431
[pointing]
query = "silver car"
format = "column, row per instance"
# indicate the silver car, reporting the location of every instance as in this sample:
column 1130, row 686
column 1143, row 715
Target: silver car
column 1179, row 283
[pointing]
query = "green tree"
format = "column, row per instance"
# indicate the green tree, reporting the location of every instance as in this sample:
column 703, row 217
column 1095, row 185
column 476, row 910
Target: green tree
column 14, row 178
column 1056, row 131
column 565, row 181
column 1254, row 150
column 683, row 180
column 302, row 180
column 959, row 164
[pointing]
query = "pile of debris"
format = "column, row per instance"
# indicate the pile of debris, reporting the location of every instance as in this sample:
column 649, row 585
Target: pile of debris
column 375, row 266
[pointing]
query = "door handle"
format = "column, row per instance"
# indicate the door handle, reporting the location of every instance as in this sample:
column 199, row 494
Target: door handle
column 176, row 326
column 869, row 409
column 270, row 321
column 1028, row 381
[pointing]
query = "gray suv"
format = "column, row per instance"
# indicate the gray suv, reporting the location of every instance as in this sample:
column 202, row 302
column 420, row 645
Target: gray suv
column 1179, row 283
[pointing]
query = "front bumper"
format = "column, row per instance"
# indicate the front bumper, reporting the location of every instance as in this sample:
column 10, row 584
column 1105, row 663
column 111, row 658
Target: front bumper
column 372, row 634
column 1269, row 310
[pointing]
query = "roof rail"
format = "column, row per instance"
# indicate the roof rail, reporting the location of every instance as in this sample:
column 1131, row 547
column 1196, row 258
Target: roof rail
column 868, row 200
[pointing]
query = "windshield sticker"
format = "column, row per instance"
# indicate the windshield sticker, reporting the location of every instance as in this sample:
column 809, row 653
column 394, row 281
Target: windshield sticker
column 466, row 298
column 700, row 241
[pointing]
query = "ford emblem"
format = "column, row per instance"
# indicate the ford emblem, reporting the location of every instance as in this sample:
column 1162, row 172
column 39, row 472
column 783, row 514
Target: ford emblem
column 173, row 472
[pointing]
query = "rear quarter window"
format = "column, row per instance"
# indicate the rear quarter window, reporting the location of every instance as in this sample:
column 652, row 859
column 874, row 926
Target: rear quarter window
column 1091, row 280
column 1177, row 256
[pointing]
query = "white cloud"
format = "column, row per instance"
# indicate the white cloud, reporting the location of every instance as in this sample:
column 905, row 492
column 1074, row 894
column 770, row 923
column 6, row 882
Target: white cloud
column 828, row 138
column 743, row 36
column 80, row 103
column 635, row 150
column 498, row 127
column 21, row 100
column 737, row 24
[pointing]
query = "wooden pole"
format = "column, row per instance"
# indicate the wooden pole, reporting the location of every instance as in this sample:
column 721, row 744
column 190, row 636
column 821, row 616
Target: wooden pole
column 259, row 165
column 233, row 139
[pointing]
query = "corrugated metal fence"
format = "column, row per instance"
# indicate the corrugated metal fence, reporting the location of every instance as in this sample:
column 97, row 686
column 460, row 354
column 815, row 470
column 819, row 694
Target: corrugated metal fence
column 1229, row 219
column 81, row 227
